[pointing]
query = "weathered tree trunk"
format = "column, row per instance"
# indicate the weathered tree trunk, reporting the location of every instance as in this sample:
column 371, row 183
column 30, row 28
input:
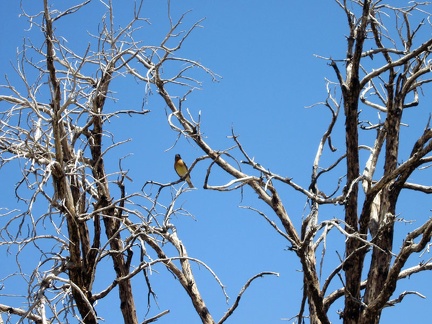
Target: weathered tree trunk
column 76, row 231
column 354, row 252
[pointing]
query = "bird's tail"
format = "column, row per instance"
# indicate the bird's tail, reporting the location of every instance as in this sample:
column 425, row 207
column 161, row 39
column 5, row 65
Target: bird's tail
column 188, row 180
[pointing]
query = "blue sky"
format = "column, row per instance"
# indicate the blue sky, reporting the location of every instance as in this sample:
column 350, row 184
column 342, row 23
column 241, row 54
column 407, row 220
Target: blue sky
column 264, row 53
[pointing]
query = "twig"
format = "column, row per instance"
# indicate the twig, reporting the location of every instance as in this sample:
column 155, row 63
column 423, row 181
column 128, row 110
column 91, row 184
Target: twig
column 237, row 301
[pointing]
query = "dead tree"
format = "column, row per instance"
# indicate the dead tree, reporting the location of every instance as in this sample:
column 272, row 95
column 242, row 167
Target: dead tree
column 55, row 127
column 388, row 85
column 60, row 139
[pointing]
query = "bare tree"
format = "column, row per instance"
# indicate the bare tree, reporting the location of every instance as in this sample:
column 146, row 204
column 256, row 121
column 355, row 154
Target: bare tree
column 389, row 88
column 56, row 128
column 61, row 139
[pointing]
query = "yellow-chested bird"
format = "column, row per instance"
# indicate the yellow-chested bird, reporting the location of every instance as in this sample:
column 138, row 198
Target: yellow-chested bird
column 181, row 168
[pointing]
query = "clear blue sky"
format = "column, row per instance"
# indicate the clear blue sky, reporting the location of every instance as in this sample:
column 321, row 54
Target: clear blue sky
column 264, row 52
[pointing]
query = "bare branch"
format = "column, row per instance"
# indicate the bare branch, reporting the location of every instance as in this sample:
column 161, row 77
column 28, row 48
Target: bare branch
column 242, row 291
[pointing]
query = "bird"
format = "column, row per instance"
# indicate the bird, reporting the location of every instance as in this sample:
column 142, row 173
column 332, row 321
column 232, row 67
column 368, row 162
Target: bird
column 181, row 168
